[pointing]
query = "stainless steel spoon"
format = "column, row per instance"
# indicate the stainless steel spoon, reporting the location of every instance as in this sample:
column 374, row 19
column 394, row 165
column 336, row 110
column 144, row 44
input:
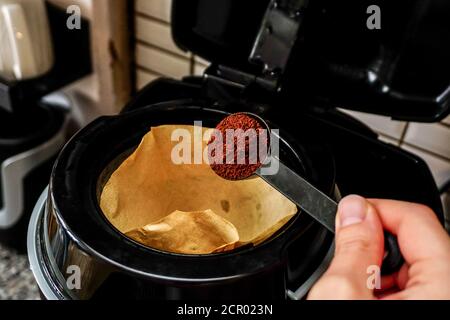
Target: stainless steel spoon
column 315, row 203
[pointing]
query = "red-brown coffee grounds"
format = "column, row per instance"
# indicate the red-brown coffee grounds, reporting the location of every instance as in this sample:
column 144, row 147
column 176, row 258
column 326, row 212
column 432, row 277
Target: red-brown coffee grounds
column 237, row 171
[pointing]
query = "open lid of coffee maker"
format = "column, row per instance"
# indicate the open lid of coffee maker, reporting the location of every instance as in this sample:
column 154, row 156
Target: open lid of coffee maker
column 325, row 53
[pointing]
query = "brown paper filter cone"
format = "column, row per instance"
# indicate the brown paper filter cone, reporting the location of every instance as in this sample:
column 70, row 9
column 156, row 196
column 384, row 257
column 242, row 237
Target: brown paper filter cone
column 189, row 232
column 148, row 187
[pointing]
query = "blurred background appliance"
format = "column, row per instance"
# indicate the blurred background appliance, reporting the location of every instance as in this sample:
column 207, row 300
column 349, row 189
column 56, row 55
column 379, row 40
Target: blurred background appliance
column 37, row 57
column 27, row 50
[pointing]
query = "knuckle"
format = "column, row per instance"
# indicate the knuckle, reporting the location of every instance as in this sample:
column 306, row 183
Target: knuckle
column 358, row 242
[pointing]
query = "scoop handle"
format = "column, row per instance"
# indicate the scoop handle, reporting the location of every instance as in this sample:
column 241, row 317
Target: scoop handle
column 320, row 207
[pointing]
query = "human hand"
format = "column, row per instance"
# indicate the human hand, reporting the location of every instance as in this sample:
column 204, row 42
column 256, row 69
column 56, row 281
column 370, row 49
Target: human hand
column 359, row 245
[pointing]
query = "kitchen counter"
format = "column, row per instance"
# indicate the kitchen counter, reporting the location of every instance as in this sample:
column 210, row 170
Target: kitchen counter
column 16, row 279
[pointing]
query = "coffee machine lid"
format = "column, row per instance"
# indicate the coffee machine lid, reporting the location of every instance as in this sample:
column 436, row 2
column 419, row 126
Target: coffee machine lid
column 383, row 57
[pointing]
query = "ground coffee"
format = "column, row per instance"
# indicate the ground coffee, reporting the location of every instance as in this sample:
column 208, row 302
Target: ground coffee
column 240, row 123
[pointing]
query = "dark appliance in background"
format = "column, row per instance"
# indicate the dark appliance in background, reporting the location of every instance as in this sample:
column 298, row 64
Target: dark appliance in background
column 33, row 132
column 293, row 62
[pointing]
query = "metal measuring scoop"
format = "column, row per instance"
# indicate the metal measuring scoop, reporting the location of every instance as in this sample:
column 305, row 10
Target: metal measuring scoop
column 313, row 201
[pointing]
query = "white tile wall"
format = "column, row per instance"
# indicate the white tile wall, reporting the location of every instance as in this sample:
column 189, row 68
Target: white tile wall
column 389, row 140
column 156, row 52
column 201, row 61
column 446, row 121
column 159, row 9
column 431, row 137
column 162, row 63
column 200, row 66
column 199, row 69
column 384, row 125
column 144, row 77
column 157, row 34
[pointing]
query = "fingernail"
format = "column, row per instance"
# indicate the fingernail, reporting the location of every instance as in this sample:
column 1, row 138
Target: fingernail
column 352, row 210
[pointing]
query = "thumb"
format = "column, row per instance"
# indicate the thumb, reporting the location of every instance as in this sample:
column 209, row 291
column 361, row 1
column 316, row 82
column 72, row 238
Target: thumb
column 359, row 246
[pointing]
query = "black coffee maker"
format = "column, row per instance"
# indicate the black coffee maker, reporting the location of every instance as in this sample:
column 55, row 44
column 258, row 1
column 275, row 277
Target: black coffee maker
column 324, row 53
column 33, row 132
column 293, row 62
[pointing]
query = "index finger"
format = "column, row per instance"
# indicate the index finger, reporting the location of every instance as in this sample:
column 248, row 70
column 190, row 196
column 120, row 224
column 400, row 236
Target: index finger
column 419, row 233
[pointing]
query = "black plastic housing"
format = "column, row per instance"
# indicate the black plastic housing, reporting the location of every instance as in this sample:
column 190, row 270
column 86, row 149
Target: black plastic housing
column 19, row 134
column 363, row 165
column 401, row 70
column 83, row 166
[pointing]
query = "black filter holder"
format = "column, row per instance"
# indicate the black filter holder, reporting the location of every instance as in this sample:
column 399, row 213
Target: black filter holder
column 334, row 59
column 72, row 62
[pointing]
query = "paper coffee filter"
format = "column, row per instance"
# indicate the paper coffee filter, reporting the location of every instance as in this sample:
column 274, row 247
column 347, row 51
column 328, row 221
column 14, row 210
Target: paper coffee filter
column 189, row 233
column 148, row 187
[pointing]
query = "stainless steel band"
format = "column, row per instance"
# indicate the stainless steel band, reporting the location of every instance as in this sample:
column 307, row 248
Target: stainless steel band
column 14, row 171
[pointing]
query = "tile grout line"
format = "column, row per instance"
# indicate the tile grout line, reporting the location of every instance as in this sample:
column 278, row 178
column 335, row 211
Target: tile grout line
column 192, row 66
column 387, row 136
column 152, row 18
column 403, row 135
column 148, row 70
column 430, row 153
column 152, row 46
